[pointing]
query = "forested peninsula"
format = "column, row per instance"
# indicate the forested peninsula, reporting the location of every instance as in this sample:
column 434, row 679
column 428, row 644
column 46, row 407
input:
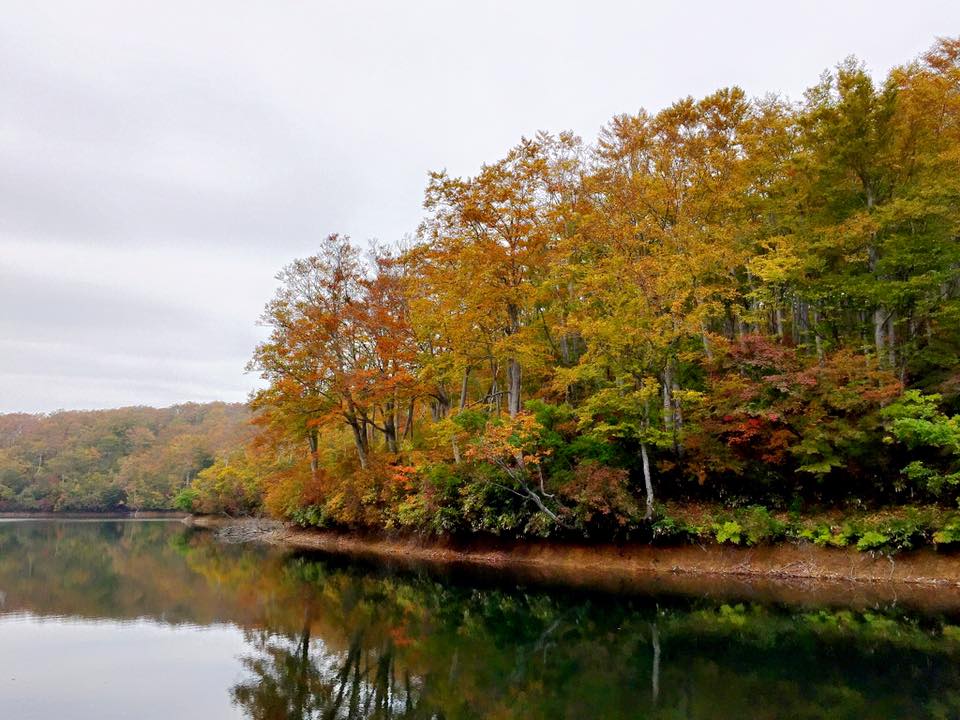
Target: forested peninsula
column 734, row 320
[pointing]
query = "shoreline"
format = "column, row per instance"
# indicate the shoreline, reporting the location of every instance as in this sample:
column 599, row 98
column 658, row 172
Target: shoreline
column 136, row 515
column 785, row 572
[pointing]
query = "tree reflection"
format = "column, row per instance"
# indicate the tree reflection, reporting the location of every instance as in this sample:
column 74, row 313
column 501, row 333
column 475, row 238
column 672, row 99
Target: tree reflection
column 384, row 647
column 330, row 639
column 292, row 680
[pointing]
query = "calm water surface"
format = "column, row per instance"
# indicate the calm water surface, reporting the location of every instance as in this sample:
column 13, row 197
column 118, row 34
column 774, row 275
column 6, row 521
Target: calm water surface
column 103, row 620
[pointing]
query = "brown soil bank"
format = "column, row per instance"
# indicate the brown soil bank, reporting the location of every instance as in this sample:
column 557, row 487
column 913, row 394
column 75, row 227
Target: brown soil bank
column 792, row 573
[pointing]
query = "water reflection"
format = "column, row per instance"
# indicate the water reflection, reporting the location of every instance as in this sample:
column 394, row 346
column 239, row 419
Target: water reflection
column 288, row 680
column 332, row 639
column 417, row 647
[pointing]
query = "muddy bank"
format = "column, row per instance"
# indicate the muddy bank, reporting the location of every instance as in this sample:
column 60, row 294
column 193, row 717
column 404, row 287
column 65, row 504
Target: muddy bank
column 790, row 573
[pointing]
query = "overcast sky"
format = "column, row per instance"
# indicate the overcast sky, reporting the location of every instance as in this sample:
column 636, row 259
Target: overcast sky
column 160, row 161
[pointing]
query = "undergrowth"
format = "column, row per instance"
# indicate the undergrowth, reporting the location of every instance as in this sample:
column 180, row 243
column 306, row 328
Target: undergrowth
column 885, row 532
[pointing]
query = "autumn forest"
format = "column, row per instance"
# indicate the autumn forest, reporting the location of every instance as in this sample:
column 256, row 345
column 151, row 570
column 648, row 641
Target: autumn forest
column 739, row 302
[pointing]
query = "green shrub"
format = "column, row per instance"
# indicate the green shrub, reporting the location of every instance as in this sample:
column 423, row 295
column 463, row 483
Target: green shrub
column 823, row 535
column 309, row 516
column 186, row 499
column 908, row 532
column 760, row 526
column 949, row 533
column 872, row 540
column 730, row 531
column 749, row 526
column 667, row 529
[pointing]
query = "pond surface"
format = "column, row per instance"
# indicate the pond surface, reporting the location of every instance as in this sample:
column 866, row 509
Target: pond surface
column 153, row 620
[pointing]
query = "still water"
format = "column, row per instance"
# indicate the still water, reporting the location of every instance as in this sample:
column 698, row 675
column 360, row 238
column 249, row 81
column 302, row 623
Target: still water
column 102, row 620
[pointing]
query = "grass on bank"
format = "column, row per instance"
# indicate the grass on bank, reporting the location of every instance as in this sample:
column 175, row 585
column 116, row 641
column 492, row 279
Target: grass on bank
column 885, row 531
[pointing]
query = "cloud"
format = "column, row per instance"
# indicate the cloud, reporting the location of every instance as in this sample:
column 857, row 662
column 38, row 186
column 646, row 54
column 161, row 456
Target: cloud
column 97, row 327
column 160, row 161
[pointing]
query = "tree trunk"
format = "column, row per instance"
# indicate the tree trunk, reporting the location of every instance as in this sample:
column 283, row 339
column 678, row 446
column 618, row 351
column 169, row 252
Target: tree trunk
column 313, row 441
column 302, row 683
column 878, row 334
column 655, row 674
column 493, row 397
column 360, row 441
column 706, row 342
column 873, row 258
column 677, row 420
column 390, row 434
column 513, row 367
column 513, row 387
column 667, row 396
column 464, row 387
column 647, row 481
column 892, row 340
column 408, row 428
column 441, row 404
column 816, row 336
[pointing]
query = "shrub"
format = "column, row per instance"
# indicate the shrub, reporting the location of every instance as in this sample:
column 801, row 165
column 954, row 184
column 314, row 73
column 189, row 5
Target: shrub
column 186, row 499
column 872, row 540
column 949, row 533
column 309, row 516
column 760, row 526
column 227, row 486
column 667, row 529
column 754, row 525
column 600, row 498
column 729, row 531
column 823, row 535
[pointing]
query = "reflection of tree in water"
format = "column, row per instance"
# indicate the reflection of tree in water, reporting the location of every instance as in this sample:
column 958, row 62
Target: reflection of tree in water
column 331, row 639
column 292, row 679
column 387, row 647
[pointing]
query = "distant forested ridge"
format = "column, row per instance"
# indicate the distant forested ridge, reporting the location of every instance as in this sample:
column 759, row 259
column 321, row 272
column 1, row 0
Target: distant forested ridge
column 135, row 458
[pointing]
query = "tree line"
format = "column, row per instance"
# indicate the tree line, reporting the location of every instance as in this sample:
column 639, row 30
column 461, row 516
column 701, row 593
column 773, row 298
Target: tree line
column 134, row 458
column 750, row 300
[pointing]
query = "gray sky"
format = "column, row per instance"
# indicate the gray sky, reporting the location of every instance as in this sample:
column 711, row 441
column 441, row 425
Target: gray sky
column 160, row 161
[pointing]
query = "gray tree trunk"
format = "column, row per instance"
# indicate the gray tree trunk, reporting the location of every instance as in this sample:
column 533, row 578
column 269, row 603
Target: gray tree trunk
column 655, row 674
column 647, row 481
column 667, row 396
column 360, row 442
column 464, row 387
column 513, row 387
column 879, row 339
column 892, row 340
column 313, row 441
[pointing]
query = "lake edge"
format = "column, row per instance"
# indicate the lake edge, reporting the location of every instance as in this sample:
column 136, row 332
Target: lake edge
column 786, row 572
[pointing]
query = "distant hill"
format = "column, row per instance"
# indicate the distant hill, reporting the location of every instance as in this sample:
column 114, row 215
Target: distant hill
column 108, row 460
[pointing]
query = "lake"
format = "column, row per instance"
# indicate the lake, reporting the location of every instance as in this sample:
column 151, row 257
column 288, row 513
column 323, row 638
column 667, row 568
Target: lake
column 151, row 619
